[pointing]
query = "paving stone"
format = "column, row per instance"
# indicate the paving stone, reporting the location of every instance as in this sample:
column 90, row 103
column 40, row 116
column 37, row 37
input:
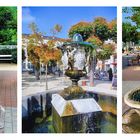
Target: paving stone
column 8, row 130
column 8, row 98
column 131, row 73
column 31, row 87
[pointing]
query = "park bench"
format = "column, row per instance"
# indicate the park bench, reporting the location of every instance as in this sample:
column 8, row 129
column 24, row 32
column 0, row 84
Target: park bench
column 5, row 57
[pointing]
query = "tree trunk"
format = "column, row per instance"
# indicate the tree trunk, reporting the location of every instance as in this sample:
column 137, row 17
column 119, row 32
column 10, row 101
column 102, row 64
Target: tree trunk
column 40, row 72
column 46, row 77
column 37, row 72
column 92, row 69
column 103, row 65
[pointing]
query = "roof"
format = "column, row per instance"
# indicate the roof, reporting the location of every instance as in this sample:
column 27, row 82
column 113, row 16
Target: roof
column 45, row 37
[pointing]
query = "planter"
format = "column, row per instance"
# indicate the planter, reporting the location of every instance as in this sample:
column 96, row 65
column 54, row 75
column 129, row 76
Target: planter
column 131, row 118
column 132, row 98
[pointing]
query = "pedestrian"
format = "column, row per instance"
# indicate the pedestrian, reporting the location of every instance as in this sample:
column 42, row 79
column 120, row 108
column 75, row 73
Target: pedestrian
column 138, row 58
column 59, row 72
column 110, row 74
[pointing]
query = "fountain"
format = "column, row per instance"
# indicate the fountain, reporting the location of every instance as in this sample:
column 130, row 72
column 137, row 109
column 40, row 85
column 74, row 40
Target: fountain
column 131, row 118
column 72, row 111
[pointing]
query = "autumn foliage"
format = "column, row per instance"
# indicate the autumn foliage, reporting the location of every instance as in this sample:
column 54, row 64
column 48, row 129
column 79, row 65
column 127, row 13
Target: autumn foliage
column 94, row 40
column 83, row 28
column 106, row 52
column 48, row 52
column 43, row 53
column 99, row 28
column 112, row 24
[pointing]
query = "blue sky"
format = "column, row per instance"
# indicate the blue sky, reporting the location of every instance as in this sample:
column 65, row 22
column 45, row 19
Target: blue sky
column 124, row 15
column 47, row 17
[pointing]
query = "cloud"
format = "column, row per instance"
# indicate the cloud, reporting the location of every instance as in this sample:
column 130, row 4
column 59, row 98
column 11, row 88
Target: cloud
column 26, row 16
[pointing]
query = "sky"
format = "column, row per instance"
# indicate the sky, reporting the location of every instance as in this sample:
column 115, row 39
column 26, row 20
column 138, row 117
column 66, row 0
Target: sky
column 129, row 14
column 124, row 15
column 47, row 17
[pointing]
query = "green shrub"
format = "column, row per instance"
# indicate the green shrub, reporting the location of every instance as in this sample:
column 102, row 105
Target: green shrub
column 14, row 55
column 5, row 51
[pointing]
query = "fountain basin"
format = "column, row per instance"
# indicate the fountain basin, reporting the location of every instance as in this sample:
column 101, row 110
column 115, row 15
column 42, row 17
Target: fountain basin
column 44, row 124
column 131, row 118
column 132, row 98
column 131, row 121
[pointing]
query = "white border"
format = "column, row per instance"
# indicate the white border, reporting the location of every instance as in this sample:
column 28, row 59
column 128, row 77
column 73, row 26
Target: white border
column 119, row 4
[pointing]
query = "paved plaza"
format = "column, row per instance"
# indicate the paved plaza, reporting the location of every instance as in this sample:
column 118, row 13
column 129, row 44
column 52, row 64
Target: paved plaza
column 30, row 86
column 8, row 67
column 8, row 97
column 131, row 73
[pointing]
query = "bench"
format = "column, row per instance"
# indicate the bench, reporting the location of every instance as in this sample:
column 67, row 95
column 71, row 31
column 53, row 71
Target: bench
column 5, row 57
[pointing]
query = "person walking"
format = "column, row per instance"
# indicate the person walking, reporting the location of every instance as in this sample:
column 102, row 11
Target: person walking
column 110, row 74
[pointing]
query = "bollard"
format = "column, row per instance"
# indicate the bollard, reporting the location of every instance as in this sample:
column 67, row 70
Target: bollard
column 83, row 83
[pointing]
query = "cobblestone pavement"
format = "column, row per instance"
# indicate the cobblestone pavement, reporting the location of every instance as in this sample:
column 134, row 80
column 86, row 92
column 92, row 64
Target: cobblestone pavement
column 131, row 73
column 10, row 120
column 127, row 86
column 8, row 99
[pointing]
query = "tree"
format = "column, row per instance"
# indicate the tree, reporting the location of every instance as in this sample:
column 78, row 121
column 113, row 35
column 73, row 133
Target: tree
column 133, row 14
column 131, row 25
column 56, row 29
column 129, row 33
column 100, row 28
column 33, row 27
column 35, row 42
column 33, row 56
column 8, row 25
column 95, row 41
column 136, row 15
column 23, row 55
column 83, row 28
column 39, row 52
column 106, row 51
column 113, row 30
column 48, row 52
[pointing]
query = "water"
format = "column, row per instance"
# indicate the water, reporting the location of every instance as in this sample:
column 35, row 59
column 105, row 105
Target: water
column 131, row 121
column 107, row 125
column 102, row 122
